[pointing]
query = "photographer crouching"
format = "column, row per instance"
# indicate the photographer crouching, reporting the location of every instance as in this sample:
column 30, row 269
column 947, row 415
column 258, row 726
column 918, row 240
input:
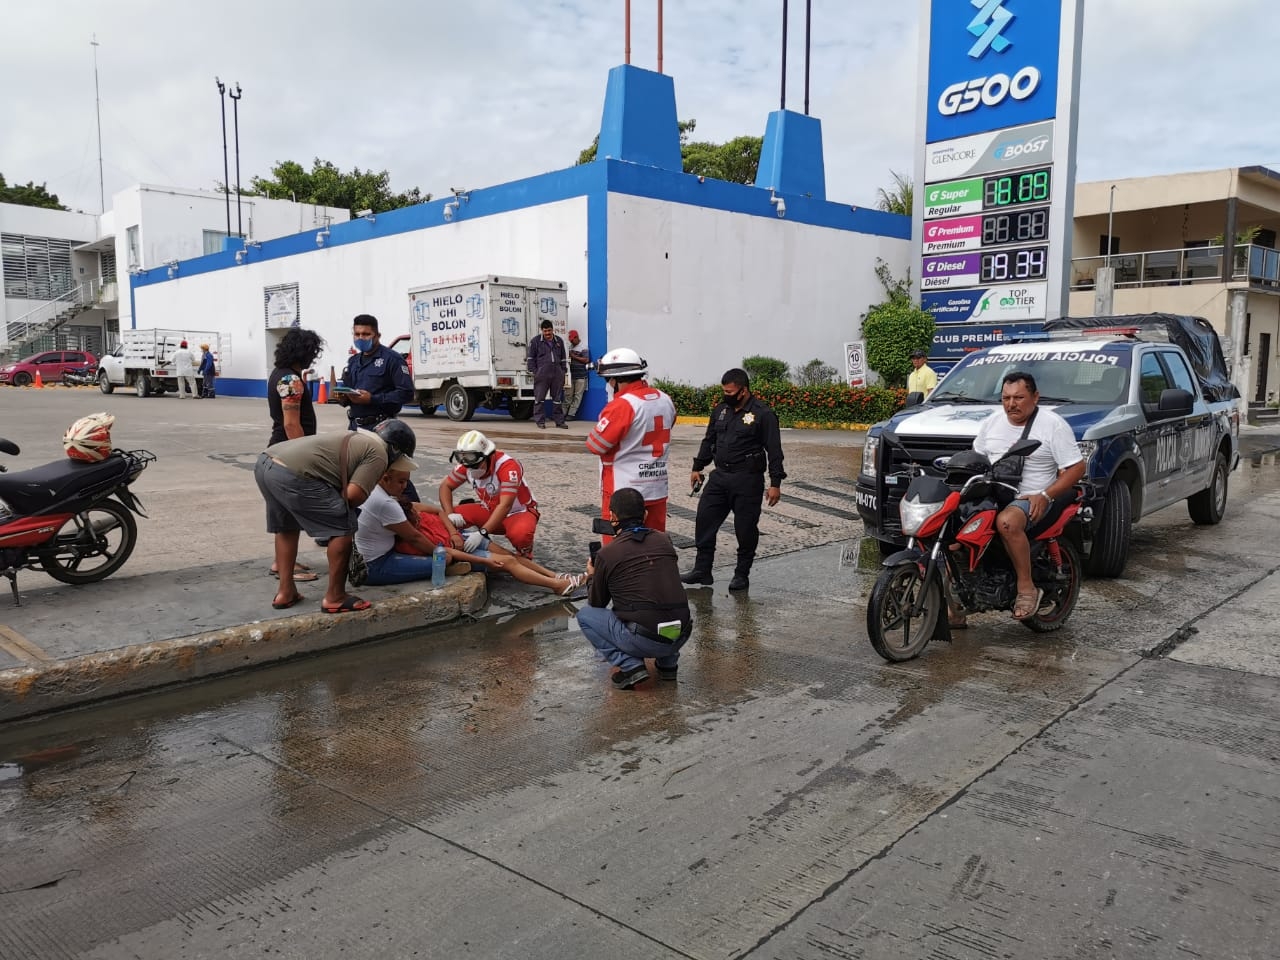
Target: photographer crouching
column 639, row 573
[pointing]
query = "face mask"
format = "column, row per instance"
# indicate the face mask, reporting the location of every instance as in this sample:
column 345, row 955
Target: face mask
column 733, row 399
column 363, row 346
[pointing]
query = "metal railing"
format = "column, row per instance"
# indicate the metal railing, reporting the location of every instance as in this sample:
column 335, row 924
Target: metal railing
column 49, row 314
column 1260, row 266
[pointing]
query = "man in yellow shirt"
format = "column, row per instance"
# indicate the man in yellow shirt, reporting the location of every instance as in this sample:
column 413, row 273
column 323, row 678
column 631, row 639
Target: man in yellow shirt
column 921, row 379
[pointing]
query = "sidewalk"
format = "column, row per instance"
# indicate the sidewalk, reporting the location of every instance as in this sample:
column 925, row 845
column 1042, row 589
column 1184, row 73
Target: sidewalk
column 193, row 600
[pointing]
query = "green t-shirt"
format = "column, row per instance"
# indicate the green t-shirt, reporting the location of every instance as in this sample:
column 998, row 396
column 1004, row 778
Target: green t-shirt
column 318, row 457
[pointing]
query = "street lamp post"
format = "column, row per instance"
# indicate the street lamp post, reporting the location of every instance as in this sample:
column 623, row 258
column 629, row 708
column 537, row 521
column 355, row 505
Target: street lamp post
column 226, row 173
column 235, row 115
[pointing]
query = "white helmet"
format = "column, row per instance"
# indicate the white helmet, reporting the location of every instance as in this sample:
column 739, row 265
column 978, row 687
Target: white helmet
column 471, row 449
column 623, row 364
column 89, row 438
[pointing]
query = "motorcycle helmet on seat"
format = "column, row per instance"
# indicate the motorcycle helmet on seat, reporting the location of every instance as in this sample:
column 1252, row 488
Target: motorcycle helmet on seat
column 964, row 465
column 622, row 364
column 89, row 438
column 399, row 437
column 472, row 448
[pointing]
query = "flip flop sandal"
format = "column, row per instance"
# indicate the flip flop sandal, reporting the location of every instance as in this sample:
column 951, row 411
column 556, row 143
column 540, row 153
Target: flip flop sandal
column 303, row 575
column 1030, row 602
column 297, row 599
column 350, row 604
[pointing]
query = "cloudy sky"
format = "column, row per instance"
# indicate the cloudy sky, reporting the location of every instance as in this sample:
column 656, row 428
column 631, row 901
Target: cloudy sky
column 471, row 93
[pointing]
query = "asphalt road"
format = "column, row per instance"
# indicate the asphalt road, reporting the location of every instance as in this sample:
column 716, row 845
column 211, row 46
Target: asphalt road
column 482, row 791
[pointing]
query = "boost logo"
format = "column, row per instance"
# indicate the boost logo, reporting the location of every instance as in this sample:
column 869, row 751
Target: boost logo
column 1007, row 151
column 991, row 91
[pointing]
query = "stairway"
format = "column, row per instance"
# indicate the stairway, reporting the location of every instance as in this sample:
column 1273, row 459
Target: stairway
column 33, row 331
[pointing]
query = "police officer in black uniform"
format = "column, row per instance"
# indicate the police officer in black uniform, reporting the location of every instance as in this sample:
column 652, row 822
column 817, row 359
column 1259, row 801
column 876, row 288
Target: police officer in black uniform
column 742, row 435
column 377, row 375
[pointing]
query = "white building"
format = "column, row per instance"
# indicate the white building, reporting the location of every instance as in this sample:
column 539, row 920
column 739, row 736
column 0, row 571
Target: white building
column 66, row 274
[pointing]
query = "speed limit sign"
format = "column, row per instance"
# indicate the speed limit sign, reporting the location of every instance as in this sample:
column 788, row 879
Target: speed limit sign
column 855, row 363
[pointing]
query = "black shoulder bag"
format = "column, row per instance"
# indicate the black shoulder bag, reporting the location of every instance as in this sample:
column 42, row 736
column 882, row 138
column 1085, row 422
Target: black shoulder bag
column 357, row 569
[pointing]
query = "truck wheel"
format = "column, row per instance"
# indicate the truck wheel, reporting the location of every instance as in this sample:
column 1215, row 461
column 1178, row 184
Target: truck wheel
column 521, row 409
column 1208, row 506
column 458, row 403
column 1112, row 531
column 143, row 385
column 104, row 382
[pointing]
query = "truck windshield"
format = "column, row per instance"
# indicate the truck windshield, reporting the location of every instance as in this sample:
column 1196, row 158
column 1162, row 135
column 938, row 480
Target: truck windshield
column 1062, row 376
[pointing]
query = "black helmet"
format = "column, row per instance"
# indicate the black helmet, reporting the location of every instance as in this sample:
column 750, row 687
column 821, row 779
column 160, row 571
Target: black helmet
column 398, row 436
column 966, row 464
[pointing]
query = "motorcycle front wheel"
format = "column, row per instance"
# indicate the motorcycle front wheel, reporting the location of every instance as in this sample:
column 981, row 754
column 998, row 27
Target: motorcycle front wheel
column 92, row 545
column 895, row 634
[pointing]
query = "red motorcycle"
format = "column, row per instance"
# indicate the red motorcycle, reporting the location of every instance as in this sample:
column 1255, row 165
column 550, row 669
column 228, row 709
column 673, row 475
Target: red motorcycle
column 71, row 518
column 954, row 554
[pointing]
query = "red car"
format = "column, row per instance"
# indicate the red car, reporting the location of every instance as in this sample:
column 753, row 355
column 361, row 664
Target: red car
column 51, row 365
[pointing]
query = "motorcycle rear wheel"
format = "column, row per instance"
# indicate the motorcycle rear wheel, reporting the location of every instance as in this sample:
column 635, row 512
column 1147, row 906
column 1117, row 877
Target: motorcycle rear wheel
column 1067, row 593
column 106, row 533
column 894, row 633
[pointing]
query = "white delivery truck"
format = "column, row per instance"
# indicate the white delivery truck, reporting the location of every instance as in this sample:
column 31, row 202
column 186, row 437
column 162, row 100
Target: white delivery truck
column 470, row 339
column 143, row 359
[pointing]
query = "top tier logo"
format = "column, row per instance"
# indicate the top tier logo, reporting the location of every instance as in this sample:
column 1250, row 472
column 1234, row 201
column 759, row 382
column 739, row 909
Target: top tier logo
column 1015, row 41
column 986, row 26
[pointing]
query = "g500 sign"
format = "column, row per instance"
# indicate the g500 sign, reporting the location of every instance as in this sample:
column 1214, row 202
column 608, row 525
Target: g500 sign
column 992, row 64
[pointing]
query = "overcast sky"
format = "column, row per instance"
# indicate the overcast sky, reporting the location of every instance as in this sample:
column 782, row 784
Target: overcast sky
column 471, row 93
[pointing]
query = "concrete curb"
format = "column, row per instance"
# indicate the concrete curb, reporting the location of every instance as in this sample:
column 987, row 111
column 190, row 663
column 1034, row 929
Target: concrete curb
column 44, row 687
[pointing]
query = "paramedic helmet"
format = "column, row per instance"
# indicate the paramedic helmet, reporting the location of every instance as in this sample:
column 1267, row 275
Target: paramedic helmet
column 399, row 437
column 622, row 364
column 472, row 448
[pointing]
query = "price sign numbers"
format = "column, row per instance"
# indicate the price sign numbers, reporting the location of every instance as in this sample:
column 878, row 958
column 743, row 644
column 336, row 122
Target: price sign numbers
column 1005, row 266
column 1014, row 189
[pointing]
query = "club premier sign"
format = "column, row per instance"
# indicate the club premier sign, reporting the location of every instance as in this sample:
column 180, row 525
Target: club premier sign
column 999, row 84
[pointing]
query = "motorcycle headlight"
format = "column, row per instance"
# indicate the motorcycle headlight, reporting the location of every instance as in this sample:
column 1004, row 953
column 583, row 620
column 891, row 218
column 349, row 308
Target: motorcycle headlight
column 914, row 513
column 869, row 451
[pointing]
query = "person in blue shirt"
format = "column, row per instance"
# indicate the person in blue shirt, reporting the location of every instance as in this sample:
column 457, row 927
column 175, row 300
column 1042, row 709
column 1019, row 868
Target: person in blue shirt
column 377, row 375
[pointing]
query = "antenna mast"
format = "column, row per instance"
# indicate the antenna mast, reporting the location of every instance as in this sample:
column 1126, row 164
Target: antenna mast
column 97, row 99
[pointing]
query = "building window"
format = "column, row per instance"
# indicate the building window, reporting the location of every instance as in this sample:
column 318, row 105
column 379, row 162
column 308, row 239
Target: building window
column 36, row 268
column 1104, row 242
column 107, row 266
column 135, row 251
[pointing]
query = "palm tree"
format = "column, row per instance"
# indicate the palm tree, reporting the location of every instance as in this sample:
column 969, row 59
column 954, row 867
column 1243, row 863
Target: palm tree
column 897, row 200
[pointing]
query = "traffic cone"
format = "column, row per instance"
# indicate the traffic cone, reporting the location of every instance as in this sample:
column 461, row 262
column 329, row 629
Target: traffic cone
column 324, row 393
column 333, row 381
column 39, row 384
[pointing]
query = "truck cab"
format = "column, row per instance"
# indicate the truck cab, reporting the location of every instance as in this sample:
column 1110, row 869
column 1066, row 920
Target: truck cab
column 1154, row 428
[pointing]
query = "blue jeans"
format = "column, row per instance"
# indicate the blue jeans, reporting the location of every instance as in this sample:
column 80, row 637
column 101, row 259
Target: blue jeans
column 619, row 645
column 393, row 567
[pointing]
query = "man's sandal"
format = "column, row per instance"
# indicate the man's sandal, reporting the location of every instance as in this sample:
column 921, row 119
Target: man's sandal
column 1026, row 604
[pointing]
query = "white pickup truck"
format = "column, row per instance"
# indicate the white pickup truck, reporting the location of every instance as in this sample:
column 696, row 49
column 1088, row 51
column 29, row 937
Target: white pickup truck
column 143, row 359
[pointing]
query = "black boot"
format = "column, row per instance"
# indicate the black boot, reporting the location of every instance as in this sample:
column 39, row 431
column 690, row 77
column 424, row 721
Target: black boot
column 699, row 577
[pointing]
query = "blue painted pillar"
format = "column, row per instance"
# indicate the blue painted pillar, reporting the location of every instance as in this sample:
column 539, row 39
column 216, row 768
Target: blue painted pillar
column 791, row 156
column 639, row 122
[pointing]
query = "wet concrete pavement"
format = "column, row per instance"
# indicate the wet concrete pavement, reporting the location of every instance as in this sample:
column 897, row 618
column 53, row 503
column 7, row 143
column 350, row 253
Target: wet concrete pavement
column 482, row 791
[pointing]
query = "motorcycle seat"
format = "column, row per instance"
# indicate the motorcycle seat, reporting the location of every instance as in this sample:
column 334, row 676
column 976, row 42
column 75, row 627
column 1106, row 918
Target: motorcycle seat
column 31, row 491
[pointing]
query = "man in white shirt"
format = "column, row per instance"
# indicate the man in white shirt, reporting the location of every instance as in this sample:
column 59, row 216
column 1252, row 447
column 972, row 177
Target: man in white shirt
column 1052, row 471
column 184, row 371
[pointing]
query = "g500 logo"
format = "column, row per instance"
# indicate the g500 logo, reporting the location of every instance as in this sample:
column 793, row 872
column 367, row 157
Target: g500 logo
column 991, row 91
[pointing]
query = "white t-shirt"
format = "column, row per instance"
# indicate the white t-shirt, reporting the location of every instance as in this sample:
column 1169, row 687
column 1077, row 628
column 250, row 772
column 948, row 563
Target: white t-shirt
column 1058, row 448
column 373, row 539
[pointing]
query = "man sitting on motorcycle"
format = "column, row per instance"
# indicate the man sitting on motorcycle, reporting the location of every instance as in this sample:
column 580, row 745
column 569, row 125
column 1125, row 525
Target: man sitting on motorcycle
column 1050, row 473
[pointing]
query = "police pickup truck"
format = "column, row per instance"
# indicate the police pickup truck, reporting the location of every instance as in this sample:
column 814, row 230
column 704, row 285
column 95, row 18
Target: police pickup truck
column 1148, row 397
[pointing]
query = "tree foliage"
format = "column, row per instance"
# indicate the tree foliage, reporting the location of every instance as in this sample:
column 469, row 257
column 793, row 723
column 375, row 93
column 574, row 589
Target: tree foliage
column 326, row 185
column 894, row 328
column 736, row 160
column 899, row 198
column 29, row 194
column 815, row 373
column 768, row 369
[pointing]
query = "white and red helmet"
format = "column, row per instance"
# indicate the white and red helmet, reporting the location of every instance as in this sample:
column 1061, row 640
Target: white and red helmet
column 89, row 438
column 622, row 364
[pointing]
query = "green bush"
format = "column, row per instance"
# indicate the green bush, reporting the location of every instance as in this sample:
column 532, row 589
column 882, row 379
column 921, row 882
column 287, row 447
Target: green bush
column 830, row 403
column 765, row 368
column 815, row 373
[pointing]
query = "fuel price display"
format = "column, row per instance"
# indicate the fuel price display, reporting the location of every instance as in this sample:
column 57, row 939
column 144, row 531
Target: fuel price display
column 1014, row 266
column 1015, row 189
column 1015, row 226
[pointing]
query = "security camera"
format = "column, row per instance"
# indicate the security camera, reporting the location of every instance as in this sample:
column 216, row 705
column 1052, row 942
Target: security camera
column 782, row 207
column 448, row 211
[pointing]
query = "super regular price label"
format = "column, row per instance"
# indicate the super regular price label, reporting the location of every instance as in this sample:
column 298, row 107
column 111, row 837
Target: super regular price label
column 953, row 199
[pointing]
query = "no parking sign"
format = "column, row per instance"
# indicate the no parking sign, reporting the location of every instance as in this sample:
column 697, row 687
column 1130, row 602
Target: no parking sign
column 855, row 363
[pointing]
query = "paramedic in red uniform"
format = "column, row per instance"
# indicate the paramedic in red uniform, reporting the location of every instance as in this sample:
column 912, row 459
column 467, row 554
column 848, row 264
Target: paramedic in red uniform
column 632, row 436
column 506, row 506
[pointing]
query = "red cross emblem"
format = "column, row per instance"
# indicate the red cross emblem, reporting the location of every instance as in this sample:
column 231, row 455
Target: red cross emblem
column 658, row 437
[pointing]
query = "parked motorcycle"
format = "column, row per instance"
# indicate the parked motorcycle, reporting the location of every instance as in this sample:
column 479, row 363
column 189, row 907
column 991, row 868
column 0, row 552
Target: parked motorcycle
column 954, row 555
column 79, row 376
column 71, row 518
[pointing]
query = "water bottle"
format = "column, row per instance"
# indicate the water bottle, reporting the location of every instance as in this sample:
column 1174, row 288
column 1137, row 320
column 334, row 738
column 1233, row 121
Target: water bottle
column 439, row 558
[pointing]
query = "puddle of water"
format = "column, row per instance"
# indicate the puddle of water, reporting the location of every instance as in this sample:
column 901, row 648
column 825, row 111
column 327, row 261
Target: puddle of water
column 10, row 771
